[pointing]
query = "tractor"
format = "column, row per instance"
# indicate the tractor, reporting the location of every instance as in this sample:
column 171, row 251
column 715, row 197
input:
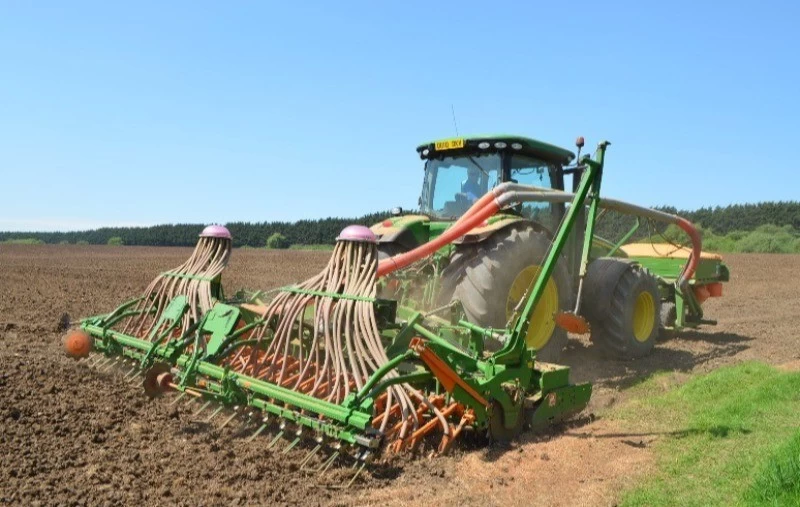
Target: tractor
column 421, row 329
column 626, row 291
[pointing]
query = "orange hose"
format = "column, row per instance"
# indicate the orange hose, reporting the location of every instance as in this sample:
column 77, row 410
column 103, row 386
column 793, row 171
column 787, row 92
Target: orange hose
column 403, row 260
column 697, row 248
column 476, row 206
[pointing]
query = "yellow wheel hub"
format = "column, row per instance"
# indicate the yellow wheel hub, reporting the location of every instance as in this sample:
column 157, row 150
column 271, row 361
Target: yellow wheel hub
column 543, row 319
column 644, row 318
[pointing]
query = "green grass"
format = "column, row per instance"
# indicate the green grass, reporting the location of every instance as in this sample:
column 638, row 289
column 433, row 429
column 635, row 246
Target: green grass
column 778, row 482
column 724, row 435
column 23, row 241
column 324, row 248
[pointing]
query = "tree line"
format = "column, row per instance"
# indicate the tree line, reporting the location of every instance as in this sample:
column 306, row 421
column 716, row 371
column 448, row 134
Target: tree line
column 733, row 220
column 254, row 234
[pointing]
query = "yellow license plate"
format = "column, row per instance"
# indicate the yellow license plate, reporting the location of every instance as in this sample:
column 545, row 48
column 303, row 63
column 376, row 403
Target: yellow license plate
column 449, row 144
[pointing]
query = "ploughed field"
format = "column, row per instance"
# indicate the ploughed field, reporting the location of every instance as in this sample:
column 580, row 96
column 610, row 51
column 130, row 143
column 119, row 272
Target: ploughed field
column 73, row 435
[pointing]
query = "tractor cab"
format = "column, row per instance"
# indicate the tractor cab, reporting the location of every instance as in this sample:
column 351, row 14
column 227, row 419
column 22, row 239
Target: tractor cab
column 459, row 171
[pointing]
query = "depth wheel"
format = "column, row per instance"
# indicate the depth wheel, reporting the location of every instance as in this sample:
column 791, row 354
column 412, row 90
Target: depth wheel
column 669, row 315
column 497, row 431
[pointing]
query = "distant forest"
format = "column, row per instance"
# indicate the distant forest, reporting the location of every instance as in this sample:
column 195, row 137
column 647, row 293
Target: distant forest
column 726, row 228
column 254, row 234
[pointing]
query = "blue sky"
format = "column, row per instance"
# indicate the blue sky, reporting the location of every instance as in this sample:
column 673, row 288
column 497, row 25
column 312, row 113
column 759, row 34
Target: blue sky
column 166, row 112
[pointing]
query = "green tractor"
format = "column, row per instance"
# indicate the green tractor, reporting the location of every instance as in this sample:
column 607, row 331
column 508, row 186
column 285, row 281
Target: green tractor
column 628, row 293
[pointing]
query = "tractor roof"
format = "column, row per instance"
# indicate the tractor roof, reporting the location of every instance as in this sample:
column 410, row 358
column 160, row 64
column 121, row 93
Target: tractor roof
column 527, row 146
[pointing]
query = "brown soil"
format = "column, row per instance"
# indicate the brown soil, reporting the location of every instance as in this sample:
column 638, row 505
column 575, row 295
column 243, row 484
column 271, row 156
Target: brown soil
column 73, row 435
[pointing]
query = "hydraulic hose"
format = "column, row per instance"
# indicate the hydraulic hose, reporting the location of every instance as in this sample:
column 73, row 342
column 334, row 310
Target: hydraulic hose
column 509, row 194
column 460, row 228
column 555, row 196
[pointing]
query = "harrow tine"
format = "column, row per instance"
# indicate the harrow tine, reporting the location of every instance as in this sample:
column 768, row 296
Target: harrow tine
column 202, row 408
column 275, row 440
column 100, row 363
column 215, row 412
column 178, row 398
column 291, row 446
column 109, row 365
column 327, row 463
column 134, row 376
column 130, row 373
column 258, row 432
column 229, row 419
column 309, row 456
column 355, row 476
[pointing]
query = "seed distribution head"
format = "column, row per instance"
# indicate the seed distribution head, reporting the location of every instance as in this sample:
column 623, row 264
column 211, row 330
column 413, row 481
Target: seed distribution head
column 357, row 233
column 216, row 231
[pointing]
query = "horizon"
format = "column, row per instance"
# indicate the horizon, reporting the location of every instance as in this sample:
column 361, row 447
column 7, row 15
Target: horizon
column 329, row 217
column 154, row 113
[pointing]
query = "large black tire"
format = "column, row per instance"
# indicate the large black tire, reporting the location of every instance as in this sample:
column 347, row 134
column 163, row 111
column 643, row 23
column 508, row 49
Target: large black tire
column 628, row 323
column 482, row 277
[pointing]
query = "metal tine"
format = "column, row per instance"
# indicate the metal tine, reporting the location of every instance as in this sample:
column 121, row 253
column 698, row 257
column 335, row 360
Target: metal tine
column 258, row 432
column 133, row 376
column 130, row 373
column 214, row 413
column 178, row 398
column 355, row 476
column 110, row 359
column 101, row 362
column 327, row 463
column 362, row 459
column 291, row 446
column 202, row 408
column 107, row 367
column 229, row 419
column 309, row 456
column 275, row 440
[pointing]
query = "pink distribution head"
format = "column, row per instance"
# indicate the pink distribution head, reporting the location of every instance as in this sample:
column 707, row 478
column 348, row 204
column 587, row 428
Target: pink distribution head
column 216, row 231
column 357, row 233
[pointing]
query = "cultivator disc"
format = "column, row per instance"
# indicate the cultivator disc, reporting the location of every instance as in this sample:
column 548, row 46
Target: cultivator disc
column 324, row 364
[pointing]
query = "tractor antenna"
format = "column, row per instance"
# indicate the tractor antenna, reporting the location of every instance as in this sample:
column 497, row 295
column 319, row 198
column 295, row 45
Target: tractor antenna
column 453, row 110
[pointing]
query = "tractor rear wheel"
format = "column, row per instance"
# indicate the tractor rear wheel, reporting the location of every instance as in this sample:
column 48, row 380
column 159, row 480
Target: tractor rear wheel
column 630, row 325
column 490, row 278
